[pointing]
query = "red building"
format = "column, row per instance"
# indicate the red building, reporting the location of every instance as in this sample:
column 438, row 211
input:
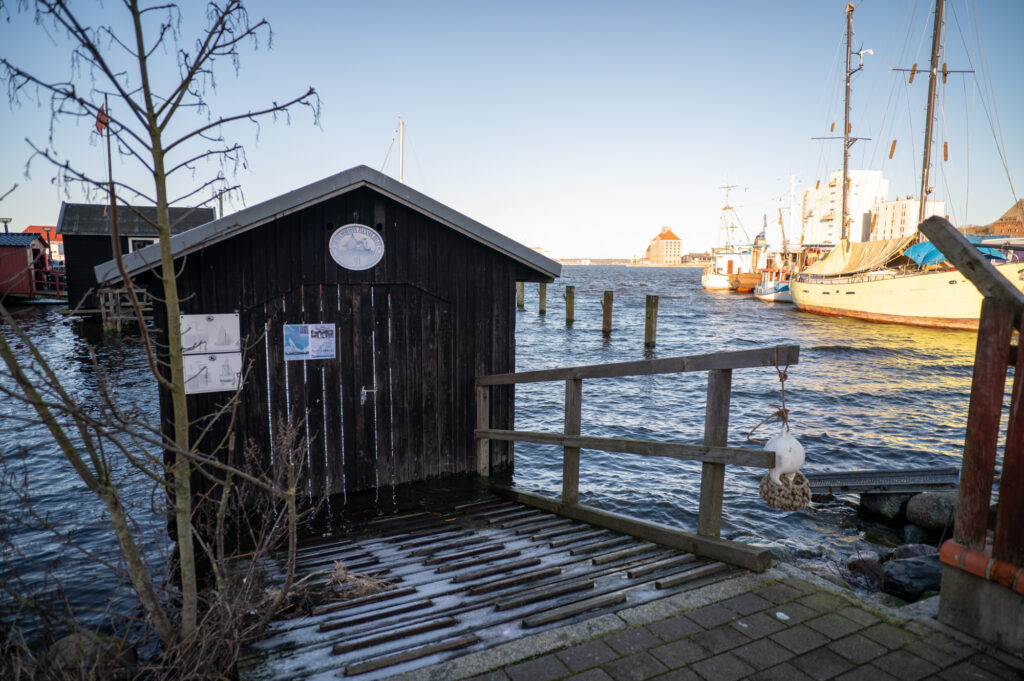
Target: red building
column 24, row 264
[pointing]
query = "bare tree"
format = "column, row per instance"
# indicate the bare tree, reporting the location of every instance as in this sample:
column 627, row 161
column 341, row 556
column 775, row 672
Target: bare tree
column 158, row 118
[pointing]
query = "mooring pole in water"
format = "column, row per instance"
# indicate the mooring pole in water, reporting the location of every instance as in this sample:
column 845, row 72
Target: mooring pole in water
column 651, row 321
column 542, row 293
column 570, row 305
column 521, row 295
column 606, row 309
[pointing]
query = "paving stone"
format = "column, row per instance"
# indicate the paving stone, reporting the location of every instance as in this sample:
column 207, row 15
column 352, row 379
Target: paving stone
column 800, row 639
column 889, row 636
column 684, row 674
column 724, row 667
column 834, row 626
column 778, row 593
column 781, row 672
column 758, row 625
column 823, row 601
column 800, row 585
column 792, row 613
column 587, row 655
column 941, row 650
column 965, row 671
column 762, row 653
column 858, row 615
column 866, row 673
column 631, row 640
column 746, row 604
column 591, row 675
column 711, row 615
column 674, row 628
column 496, row 675
column 679, row 653
column 634, row 668
column 994, row 666
column 720, row 639
column 546, row 668
column 858, row 649
column 908, row 666
column 821, row 664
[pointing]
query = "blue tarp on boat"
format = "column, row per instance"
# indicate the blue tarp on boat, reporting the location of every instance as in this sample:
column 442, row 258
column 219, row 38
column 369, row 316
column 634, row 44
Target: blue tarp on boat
column 925, row 253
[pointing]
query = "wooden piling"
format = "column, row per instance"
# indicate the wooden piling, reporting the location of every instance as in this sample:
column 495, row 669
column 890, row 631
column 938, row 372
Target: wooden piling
column 521, row 295
column 606, row 309
column 651, row 321
column 570, row 305
column 571, row 455
column 542, row 294
column 716, row 432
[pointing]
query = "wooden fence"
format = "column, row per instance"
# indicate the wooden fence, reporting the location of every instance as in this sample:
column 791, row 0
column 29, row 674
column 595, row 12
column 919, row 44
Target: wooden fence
column 713, row 453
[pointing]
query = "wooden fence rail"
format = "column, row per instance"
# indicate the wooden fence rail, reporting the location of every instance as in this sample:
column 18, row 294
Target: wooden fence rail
column 713, row 454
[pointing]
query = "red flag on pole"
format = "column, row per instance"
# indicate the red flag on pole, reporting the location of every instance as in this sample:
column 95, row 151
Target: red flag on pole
column 102, row 120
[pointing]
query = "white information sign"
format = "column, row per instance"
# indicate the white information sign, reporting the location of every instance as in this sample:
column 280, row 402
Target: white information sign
column 309, row 341
column 356, row 247
column 212, row 373
column 206, row 333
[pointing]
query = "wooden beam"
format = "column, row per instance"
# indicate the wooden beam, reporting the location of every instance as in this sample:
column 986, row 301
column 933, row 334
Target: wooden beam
column 735, row 456
column 971, row 263
column 716, row 433
column 483, row 422
column 983, row 414
column 778, row 355
column 734, row 553
column 571, row 454
column 1008, row 542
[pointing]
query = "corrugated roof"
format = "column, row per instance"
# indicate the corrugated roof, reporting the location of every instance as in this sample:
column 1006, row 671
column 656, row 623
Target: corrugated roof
column 335, row 185
column 94, row 219
column 18, row 239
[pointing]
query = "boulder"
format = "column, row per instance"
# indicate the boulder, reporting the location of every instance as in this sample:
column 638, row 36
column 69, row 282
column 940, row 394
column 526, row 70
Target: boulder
column 888, row 506
column 87, row 650
column 934, row 511
column 915, row 534
column 909, row 578
column 913, row 551
column 866, row 567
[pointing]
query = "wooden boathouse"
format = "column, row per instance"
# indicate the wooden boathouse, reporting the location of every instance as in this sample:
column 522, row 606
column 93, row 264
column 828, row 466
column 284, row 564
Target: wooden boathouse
column 26, row 271
column 377, row 358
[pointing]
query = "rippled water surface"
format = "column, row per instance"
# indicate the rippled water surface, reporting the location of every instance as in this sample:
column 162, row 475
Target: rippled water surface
column 862, row 396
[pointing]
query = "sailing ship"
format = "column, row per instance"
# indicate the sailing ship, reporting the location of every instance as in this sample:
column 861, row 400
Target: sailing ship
column 889, row 280
column 733, row 266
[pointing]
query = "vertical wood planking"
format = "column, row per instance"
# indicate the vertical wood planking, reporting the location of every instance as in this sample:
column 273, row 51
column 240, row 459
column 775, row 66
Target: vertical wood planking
column 1008, row 543
column 606, row 313
column 716, row 432
column 994, row 331
column 571, row 455
column 651, row 321
column 313, row 394
column 483, row 422
column 348, row 299
column 570, row 305
column 332, row 397
column 434, row 466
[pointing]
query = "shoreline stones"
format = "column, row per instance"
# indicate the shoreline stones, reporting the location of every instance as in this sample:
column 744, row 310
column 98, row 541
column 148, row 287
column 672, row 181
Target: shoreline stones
column 933, row 511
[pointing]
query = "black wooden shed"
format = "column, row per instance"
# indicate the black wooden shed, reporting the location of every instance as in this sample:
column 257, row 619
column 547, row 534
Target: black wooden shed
column 86, row 228
column 396, row 402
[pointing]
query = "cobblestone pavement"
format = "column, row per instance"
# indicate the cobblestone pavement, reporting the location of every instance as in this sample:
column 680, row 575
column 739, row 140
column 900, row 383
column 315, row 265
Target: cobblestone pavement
column 789, row 629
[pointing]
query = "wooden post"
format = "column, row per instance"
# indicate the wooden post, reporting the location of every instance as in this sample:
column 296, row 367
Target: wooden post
column 571, row 455
column 570, row 305
column 606, row 309
column 1009, row 536
column 520, row 295
column 994, row 331
column 542, row 293
column 716, row 432
column 483, row 422
column 651, row 322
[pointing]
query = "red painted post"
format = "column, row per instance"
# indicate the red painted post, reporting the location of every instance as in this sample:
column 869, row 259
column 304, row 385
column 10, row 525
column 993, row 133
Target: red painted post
column 994, row 331
column 1009, row 536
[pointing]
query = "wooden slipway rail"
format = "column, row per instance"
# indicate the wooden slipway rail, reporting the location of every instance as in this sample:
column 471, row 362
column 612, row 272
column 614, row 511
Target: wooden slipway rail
column 487, row 573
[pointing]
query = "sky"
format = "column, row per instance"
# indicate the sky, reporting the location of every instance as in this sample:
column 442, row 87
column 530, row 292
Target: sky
column 580, row 127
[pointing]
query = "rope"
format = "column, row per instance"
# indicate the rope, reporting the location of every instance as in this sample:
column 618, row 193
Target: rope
column 780, row 413
column 793, row 495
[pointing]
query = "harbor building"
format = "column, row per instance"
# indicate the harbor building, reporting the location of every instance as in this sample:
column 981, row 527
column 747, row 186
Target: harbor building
column 895, row 219
column 821, row 206
column 53, row 239
column 665, row 249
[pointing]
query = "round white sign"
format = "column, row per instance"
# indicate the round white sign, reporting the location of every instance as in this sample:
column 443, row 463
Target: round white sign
column 356, row 247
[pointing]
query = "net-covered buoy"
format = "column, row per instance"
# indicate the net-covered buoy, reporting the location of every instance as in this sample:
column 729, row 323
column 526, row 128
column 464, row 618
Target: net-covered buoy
column 785, row 488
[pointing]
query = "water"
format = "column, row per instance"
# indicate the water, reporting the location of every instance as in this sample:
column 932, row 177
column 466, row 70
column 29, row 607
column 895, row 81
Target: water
column 862, row 396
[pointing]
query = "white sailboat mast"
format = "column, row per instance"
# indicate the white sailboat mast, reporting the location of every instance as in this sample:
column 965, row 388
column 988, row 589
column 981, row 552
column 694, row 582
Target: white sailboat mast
column 932, row 87
column 845, row 234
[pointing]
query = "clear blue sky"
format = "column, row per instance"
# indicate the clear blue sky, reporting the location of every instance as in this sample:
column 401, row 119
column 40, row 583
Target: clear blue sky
column 583, row 127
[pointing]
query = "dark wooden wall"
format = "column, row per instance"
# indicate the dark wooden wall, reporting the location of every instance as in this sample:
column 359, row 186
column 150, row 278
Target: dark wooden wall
column 437, row 311
column 82, row 252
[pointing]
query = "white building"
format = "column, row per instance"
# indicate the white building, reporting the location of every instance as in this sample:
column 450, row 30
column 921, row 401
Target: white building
column 821, row 206
column 893, row 219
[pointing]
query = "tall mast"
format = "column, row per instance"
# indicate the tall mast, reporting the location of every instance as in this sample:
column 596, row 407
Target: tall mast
column 845, row 233
column 932, row 87
column 729, row 227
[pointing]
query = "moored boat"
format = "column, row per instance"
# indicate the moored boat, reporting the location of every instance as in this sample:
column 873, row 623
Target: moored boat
column 731, row 260
column 774, row 286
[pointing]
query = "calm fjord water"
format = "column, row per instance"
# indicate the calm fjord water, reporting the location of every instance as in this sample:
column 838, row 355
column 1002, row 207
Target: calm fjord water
column 863, row 396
